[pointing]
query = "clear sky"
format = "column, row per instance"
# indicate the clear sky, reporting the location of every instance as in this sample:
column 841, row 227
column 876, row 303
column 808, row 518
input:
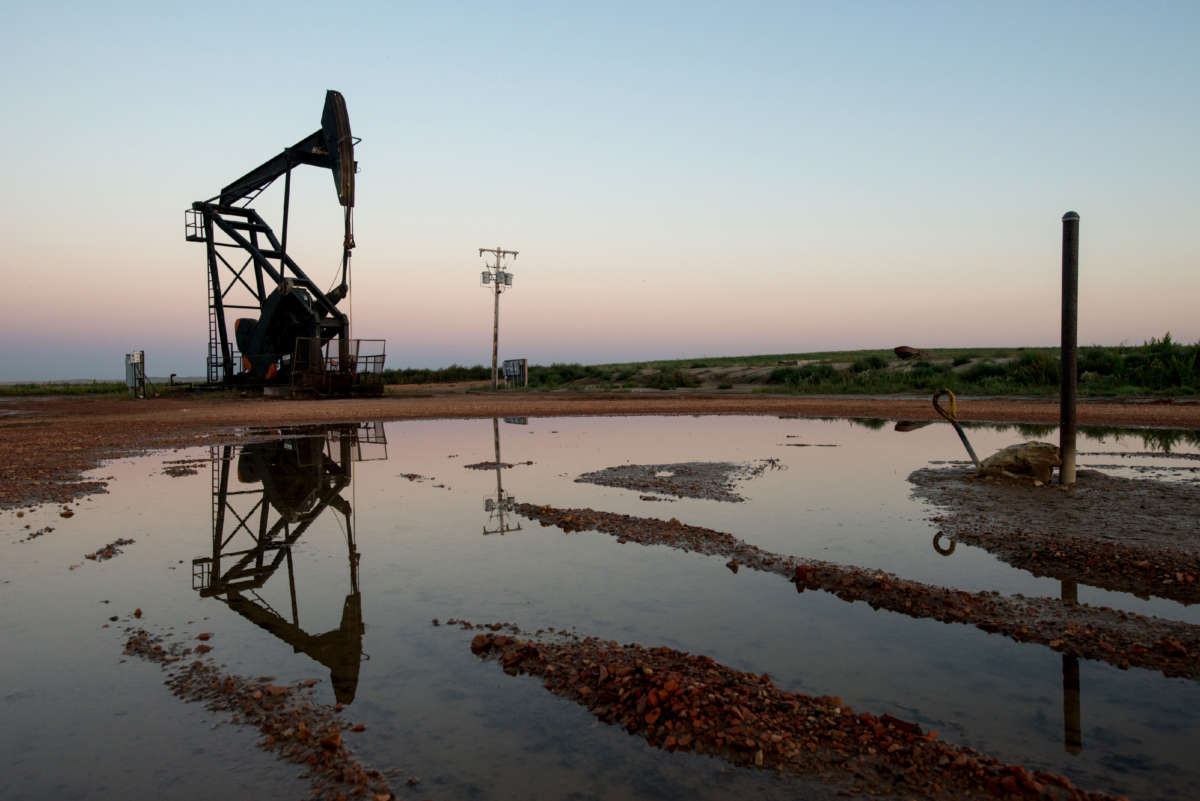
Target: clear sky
column 681, row 179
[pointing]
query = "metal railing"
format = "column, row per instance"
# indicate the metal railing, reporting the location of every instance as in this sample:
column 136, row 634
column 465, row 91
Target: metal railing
column 329, row 367
column 193, row 226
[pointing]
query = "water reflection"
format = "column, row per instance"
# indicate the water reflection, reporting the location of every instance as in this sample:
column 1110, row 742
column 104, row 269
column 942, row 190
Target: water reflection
column 943, row 544
column 1155, row 440
column 500, row 507
column 423, row 697
column 1071, row 701
column 1072, row 728
column 282, row 488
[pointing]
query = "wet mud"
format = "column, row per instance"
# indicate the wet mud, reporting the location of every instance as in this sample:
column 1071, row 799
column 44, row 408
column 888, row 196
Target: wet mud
column 1124, row 639
column 494, row 465
column 293, row 726
column 1124, row 534
column 715, row 481
column 178, row 468
column 687, row 702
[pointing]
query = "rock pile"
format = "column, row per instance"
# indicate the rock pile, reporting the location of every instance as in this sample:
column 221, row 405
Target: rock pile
column 681, row 701
column 1121, row 638
column 293, row 726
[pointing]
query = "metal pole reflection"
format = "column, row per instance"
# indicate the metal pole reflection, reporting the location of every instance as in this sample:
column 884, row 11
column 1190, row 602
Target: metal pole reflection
column 1072, row 729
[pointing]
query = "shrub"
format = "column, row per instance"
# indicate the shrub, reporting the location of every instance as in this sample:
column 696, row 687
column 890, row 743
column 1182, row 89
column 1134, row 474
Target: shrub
column 868, row 363
column 1101, row 361
column 982, row 370
column 558, row 374
column 455, row 372
column 929, row 368
column 671, row 378
column 784, row 375
column 816, row 373
column 1035, row 369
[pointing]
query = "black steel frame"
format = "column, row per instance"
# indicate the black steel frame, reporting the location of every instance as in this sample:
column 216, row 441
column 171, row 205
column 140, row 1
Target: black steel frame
column 225, row 222
column 244, row 230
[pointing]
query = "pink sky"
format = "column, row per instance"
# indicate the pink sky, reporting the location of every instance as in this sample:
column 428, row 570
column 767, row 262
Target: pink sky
column 746, row 189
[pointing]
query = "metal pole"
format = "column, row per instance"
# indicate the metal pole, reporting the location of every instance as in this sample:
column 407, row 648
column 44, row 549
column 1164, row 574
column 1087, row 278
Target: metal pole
column 287, row 202
column 1070, row 361
column 496, row 326
column 344, row 334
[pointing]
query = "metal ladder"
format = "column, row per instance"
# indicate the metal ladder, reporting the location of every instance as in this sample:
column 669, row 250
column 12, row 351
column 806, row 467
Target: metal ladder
column 214, row 358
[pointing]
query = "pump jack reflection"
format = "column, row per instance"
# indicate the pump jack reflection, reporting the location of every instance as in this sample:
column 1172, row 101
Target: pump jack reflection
column 298, row 478
column 502, row 504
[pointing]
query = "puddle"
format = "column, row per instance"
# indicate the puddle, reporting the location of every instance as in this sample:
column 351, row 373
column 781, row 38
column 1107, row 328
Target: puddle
column 327, row 555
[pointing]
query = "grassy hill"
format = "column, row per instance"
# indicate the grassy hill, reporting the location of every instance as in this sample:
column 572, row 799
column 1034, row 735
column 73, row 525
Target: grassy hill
column 1158, row 367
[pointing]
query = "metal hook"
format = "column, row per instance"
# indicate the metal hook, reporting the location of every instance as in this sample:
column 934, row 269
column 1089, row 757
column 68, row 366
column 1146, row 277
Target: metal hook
column 951, row 415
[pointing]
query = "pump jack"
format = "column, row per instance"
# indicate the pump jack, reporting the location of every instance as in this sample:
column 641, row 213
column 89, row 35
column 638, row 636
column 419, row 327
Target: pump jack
column 291, row 341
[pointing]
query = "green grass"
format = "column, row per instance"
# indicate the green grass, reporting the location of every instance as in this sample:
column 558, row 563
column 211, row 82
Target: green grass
column 884, row 355
column 1159, row 367
column 445, row 375
column 63, row 388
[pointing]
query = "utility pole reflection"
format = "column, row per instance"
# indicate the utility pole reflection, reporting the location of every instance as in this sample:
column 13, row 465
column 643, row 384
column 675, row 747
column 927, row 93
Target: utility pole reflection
column 502, row 504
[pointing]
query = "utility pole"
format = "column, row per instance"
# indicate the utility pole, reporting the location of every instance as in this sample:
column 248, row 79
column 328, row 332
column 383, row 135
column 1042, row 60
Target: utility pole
column 500, row 279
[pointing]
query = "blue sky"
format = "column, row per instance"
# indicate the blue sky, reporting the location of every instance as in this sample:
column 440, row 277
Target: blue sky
column 681, row 179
